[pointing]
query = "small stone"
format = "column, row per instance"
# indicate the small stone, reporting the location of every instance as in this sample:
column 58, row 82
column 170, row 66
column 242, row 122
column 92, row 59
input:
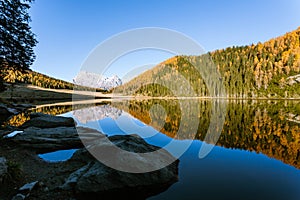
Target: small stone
column 28, row 187
column 46, row 189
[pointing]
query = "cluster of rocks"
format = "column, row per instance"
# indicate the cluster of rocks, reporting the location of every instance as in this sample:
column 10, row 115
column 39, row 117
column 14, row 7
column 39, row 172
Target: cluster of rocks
column 92, row 178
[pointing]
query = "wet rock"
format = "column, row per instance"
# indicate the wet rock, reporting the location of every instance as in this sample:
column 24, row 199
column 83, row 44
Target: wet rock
column 98, row 180
column 41, row 120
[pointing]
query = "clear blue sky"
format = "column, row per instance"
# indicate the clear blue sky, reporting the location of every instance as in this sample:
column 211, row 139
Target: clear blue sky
column 68, row 30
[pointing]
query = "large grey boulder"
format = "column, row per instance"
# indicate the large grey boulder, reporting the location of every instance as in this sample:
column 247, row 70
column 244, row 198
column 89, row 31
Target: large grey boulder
column 50, row 139
column 41, row 120
column 95, row 179
column 3, row 168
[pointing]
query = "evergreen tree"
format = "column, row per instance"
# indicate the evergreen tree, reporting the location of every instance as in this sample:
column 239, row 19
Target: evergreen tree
column 16, row 38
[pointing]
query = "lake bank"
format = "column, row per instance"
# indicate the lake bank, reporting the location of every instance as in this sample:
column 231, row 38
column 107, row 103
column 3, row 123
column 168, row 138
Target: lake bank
column 25, row 93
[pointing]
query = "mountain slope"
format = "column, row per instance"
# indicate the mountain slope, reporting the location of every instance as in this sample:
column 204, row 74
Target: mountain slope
column 11, row 75
column 261, row 70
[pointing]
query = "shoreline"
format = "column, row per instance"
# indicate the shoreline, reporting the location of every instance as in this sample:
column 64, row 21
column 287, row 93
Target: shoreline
column 25, row 93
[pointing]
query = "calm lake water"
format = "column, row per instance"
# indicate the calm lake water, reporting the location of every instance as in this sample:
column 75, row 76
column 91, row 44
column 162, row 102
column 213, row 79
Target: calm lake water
column 257, row 152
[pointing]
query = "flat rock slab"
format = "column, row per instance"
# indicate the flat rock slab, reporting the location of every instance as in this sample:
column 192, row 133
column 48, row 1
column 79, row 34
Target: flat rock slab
column 51, row 139
column 41, row 120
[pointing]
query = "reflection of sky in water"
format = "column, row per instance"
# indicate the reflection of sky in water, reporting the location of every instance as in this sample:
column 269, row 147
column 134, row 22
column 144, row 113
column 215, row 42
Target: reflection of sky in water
column 223, row 174
column 56, row 156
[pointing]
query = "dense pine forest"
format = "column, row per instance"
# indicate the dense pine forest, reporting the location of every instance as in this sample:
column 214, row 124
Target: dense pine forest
column 269, row 69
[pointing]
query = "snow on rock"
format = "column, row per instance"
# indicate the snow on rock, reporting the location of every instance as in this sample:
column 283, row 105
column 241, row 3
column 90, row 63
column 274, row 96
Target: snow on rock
column 96, row 80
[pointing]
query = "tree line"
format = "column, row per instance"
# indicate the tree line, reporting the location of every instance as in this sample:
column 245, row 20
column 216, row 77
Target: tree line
column 261, row 70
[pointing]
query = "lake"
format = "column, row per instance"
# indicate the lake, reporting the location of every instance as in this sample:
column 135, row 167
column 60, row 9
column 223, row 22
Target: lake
column 257, row 151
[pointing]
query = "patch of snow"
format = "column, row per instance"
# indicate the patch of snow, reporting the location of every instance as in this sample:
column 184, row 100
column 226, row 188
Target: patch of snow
column 96, row 80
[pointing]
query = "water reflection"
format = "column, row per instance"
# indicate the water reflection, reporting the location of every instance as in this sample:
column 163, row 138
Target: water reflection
column 96, row 113
column 232, row 170
column 263, row 127
column 58, row 156
column 268, row 127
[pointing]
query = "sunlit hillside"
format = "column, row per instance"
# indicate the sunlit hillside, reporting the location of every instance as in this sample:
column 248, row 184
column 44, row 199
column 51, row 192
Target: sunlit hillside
column 269, row 69
column 12, row 75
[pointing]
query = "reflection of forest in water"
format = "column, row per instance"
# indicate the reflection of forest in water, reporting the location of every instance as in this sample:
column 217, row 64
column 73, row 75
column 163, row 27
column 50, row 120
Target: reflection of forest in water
column 21, row 118
column 268, row 127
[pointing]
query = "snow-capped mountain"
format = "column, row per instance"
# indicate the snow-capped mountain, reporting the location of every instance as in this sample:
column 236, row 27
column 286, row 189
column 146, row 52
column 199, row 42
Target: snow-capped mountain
column 97, row 81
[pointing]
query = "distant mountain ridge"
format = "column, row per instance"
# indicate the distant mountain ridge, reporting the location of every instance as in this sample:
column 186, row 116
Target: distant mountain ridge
column 262, row 70
column 93, row 80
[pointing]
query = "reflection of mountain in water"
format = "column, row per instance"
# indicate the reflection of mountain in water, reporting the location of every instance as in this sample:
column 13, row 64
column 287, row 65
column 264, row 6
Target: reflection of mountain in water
column 272, row 129
column 96, row 113
column 260, row 126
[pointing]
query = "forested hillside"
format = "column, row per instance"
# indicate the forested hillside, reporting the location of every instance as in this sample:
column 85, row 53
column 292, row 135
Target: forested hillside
column 270, row 69
column 13, row 75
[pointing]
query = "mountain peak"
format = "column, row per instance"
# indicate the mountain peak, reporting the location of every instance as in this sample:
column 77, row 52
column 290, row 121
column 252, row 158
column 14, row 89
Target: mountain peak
column 94, row 80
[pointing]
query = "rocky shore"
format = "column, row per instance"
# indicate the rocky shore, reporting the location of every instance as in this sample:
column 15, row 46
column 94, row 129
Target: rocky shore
column 24, row 175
